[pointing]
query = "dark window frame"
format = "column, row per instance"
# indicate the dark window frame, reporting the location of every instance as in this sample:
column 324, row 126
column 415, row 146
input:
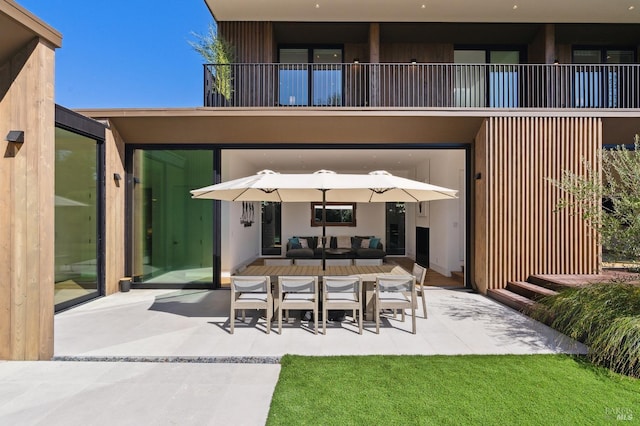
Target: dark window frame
column 79, row 124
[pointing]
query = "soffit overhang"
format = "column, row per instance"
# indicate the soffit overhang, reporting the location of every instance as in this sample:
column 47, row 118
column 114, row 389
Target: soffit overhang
column 517, row 11
column 18, row 27
column 326, row 127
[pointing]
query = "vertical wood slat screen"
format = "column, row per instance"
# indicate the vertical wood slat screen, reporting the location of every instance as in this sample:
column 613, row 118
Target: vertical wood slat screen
column 254, row 44
column 518, row 231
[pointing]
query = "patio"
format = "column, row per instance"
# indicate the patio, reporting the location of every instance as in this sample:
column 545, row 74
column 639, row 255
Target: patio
column 194, row 324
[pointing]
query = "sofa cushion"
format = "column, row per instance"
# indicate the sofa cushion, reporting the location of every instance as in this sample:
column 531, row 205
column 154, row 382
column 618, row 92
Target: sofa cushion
column 373, row 242
column 300, row 253
column 343, row 241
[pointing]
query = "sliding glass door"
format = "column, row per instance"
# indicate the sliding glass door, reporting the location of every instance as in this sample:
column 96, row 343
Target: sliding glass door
column 310, row 76
column 173, row 235
column 78, row 228
column 488, row 78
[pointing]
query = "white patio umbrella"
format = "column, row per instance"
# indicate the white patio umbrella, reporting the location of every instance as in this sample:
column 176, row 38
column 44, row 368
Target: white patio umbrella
column 325, row 186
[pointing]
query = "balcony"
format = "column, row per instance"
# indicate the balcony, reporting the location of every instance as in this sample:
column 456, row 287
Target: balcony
column 439, row 85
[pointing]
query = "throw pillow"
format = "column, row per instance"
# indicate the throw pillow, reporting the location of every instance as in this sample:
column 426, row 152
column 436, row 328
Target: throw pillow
column 293, row 241
column 373, row 243
column 355, row 243
column 304, row 243
column 343, row 241
column 364, row 243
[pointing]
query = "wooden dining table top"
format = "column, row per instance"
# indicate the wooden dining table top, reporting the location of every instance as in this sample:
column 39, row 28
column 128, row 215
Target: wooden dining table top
column 367, row 272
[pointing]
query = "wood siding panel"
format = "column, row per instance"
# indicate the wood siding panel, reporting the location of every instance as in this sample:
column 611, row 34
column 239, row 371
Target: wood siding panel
column 27, row 206
column 114, row 210
column 518, row 233
column 254, row 43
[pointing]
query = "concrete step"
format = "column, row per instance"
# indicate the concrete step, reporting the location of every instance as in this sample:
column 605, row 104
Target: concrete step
column 529, row 290
column 511, row 299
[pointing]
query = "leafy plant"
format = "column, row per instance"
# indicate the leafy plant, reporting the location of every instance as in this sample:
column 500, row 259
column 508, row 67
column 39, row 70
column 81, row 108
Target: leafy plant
column 219, row 52
column 608, row 199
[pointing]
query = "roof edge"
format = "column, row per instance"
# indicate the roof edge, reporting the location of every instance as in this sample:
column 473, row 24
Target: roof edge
column 32, row 22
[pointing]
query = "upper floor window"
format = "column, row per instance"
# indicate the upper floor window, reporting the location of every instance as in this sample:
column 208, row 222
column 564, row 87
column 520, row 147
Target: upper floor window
column 310, row 76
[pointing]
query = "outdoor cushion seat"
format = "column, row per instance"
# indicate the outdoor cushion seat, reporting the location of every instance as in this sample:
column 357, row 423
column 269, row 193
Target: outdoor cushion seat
column 300, row 253
column 370, row 253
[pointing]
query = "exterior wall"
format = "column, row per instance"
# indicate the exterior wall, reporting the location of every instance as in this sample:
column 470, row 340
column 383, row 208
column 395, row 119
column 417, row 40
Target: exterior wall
column 114, row 214
column 253, row 41
column 27, row 204
column 517, row 232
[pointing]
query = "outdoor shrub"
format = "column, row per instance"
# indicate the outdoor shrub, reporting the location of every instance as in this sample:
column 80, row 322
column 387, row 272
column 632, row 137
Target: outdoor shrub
column 605, row 316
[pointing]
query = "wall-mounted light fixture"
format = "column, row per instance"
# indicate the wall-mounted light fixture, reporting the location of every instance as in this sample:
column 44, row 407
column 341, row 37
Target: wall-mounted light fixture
column 556, row 61
column 117, row 177
column 356, row 60
column 414, row 61
column 16, row 136
column 478, row 176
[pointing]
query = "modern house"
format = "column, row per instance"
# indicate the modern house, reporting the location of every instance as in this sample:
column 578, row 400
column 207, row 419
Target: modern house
column 490, row 99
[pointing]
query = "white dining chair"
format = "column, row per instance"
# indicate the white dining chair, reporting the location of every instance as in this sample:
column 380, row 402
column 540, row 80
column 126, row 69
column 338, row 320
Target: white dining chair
column 396, row 292
column 251, row 292
column 342, row 293
column 297, row 292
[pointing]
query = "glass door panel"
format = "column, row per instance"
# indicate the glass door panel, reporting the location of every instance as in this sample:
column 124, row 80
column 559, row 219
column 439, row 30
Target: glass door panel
column 327, row 77
column 76, row 217
column 294, row 77
column 395, row 228
column 470, row 83
column 173, row 233
column 503, row 78
column 271, row 229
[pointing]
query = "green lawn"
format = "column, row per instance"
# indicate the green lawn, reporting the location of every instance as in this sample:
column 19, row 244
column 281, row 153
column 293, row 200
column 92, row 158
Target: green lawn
column 455, row 390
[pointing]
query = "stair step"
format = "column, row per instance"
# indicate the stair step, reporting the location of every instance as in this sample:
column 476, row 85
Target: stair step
column 511, row 299
column 458, row 275
column 529, row 290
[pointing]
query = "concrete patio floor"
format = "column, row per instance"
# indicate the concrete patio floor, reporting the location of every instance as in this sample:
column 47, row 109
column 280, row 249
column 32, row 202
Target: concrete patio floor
column 113, row 356
column 194, row 323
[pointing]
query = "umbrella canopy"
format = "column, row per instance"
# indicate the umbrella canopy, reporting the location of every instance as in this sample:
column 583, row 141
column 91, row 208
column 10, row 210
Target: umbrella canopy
column 378, row 186
column 325, row 186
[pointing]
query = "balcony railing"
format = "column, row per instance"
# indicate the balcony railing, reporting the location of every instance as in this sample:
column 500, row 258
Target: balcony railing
column 422, row 86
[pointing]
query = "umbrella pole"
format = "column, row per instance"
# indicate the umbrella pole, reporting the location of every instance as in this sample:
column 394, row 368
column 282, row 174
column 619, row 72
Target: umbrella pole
column 324, row 227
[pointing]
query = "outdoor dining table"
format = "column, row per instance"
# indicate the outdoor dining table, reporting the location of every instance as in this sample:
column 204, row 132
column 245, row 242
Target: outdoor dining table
column 368, row 273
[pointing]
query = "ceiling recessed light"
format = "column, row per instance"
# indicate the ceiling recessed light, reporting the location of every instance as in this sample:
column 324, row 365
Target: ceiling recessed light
column 631, row 7
column 423, row 6
column 317, row 6
column 515, row 6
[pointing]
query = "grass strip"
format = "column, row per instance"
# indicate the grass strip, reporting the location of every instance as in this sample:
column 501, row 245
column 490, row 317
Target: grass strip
column 451, row 390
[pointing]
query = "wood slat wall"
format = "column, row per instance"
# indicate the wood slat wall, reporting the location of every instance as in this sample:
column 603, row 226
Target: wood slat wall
column 27, row 205
column 518, row 233
column 253, row 41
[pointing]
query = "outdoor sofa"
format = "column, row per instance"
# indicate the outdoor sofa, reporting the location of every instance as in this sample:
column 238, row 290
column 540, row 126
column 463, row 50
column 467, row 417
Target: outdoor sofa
column 348, row 247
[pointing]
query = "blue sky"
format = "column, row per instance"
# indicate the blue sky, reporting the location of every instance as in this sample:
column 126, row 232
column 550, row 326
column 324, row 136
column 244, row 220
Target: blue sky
column 126, row 53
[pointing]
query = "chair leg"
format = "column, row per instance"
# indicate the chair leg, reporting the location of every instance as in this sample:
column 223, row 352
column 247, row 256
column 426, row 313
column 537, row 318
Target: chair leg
column 243, row 315
column 424, row 303
column 360, row 321
column 279, row 319
column 315, row 318
column 269, row 315
column 232, row 319
column 324, row 318
column 377, row 319
column 413, row 319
